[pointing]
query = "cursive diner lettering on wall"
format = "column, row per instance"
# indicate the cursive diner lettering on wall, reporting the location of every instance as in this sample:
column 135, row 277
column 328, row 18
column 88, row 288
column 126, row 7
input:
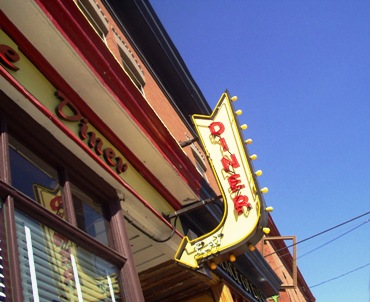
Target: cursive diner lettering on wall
column 8, row 56
column 93, row 141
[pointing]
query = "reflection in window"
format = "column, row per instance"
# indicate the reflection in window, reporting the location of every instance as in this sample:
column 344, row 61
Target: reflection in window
column 89, row 216
column 32, row 176
column 53, row 268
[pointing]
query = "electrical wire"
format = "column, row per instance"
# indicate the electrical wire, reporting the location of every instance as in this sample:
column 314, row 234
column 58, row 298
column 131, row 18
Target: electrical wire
column 340, row 276
column 318, row 234
column 323, row 232
column 328, row 242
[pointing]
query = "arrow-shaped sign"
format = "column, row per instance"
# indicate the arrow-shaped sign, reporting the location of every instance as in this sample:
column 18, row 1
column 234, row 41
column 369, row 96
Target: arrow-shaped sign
column 244, row 209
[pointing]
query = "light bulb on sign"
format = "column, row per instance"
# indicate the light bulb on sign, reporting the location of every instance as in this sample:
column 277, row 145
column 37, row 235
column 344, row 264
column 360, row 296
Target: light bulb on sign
column 253, row 157
column 258, row 173
column 251, row 247
column 269, row 209
column 264, row 190
column 232, row 258
column 213, row 266
column 266, row 230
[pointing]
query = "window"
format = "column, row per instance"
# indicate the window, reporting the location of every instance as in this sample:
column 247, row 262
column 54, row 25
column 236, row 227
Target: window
column 39, row 181
column 54, row 268
column 200, row 162
column 200, row 169
column 95, row 16
column 31, row 175
column 89, row 215
column 56, row 218
column 130, row 64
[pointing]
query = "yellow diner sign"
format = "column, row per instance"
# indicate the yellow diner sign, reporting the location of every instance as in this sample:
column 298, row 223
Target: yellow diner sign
column 244, row 210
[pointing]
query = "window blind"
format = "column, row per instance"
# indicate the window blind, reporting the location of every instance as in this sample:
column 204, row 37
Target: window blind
column 54, row 268
column 2, row 283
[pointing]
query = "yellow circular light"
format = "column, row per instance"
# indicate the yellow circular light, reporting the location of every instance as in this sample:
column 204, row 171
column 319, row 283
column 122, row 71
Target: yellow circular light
column 232, row 258
column 264, row 190
column 244, row 127
column 239, row 112
column 253, row 157
column 248, row 141
column 258, row 173
column 269, row 209
column 234, row 98
column 213, row 266
column 266, row 230
column 251, row 247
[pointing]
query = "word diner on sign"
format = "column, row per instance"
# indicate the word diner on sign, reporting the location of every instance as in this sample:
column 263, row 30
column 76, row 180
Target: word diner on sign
column 230, row 164
column 244, row 210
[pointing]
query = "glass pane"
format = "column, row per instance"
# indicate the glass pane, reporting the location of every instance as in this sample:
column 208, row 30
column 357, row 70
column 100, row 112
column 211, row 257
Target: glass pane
column 35, row 178
column 54, row 268
column 89, row 215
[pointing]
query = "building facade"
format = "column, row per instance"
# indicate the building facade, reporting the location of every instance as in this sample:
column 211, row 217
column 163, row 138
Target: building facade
column 98, row 151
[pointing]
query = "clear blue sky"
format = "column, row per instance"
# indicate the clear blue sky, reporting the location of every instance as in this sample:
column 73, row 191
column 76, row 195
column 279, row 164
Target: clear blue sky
column 301, row 70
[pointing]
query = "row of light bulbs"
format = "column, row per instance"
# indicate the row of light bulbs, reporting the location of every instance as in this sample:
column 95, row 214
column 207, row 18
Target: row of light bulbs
column 257, row 173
